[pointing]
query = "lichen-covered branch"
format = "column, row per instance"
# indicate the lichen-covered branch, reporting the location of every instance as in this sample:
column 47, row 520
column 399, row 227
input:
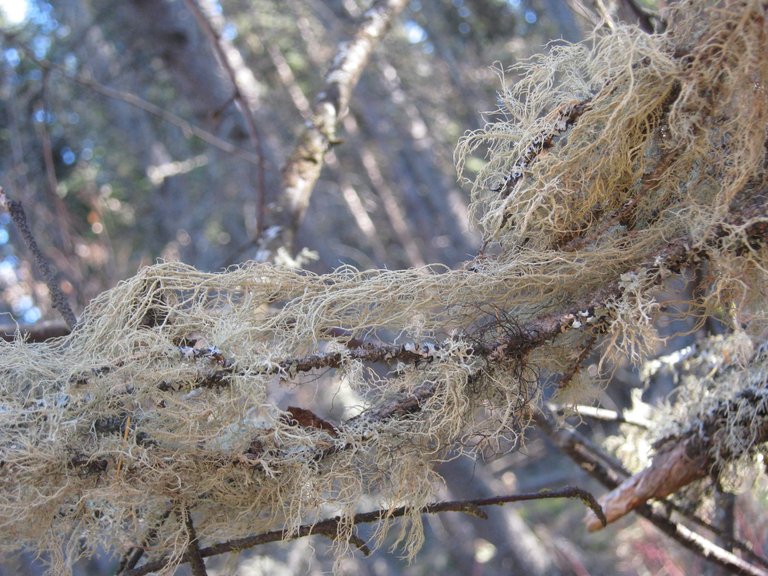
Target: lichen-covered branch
column 671, row 470
column 557, row 123
column 733, row 427
column 303, row 168
column 213, row 369
column 601, row 467
column 172, row 387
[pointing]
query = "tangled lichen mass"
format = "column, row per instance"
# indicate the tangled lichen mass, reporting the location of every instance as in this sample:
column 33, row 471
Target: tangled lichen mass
column 612, row 165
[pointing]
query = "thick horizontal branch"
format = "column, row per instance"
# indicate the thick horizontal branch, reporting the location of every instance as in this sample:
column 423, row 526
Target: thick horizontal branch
column 216, row 369
column 39, row 332
column 515, row 345
column 331, row 526
column 674, row 257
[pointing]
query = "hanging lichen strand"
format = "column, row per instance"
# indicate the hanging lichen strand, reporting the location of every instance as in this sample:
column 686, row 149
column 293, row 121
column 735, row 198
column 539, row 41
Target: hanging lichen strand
column 613, row 165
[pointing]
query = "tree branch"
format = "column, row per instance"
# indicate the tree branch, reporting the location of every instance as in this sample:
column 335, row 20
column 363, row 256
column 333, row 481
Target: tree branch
column 600, row 414
column 38, row 332
column 193, row 555
column 50, row 275
column 230, row 58
column 306, row 162
column 681, row 461
column 516, row 343
column 591, row 460
column 331, row 527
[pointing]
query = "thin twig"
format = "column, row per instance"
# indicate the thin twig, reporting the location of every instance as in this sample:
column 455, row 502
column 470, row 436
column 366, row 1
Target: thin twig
column 332, row 526
column 645, row 18
column 60, row 211
column 602, row 414
column 223, row 54
column 605, row 15
column 134, row 554
column 561, row 119
column 50, row 275
column 193, row 555
column 570, row 374
column 45, row 141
